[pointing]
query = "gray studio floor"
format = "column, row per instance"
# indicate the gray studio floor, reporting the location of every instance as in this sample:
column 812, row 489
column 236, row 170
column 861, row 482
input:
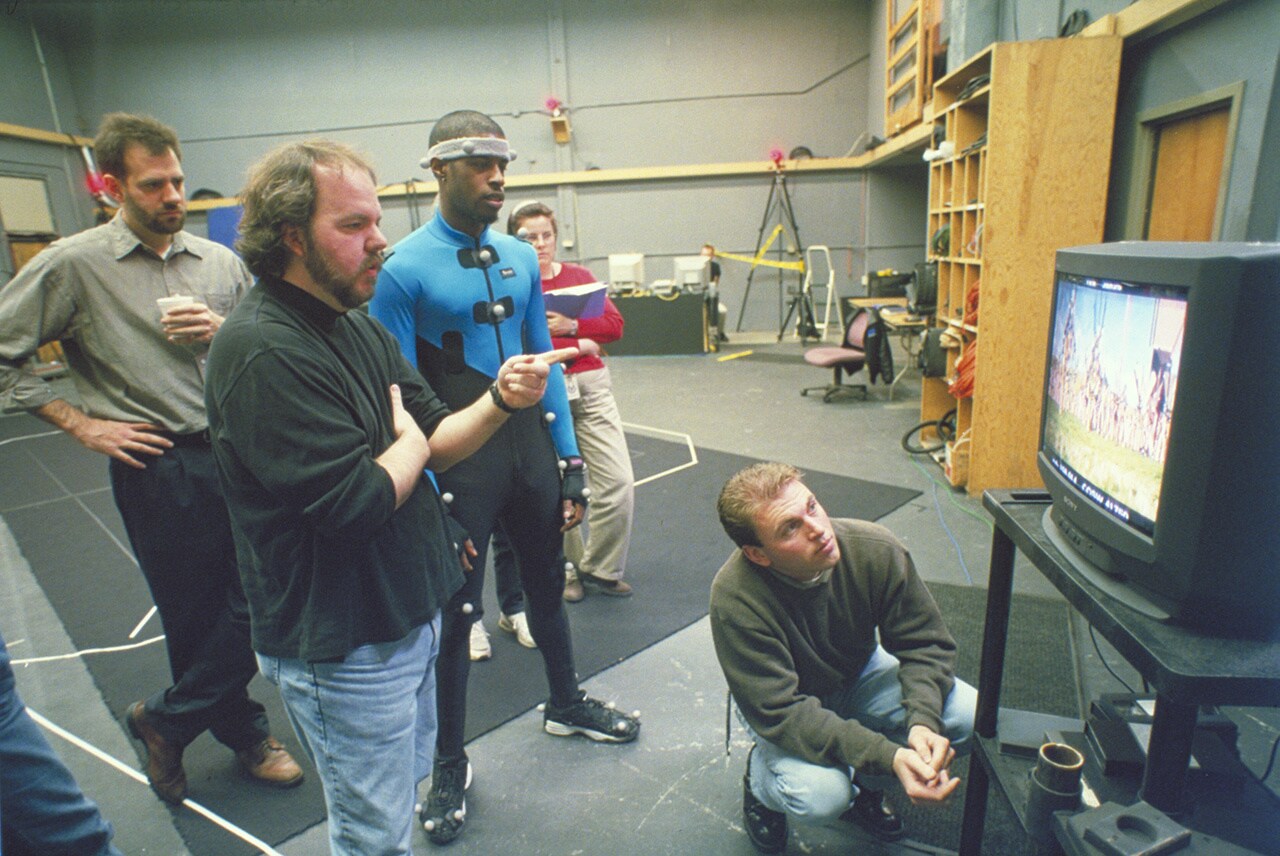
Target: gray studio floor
column 674, row 791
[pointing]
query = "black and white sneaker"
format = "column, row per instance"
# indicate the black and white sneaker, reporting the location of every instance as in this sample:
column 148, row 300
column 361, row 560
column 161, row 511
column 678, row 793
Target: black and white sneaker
column 592, row 718
column 445, row 812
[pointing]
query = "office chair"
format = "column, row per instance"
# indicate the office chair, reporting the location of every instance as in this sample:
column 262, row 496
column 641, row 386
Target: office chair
column 847, row 358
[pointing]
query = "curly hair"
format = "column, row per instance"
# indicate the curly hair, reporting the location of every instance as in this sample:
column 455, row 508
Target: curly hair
column 120, row 130
column 746, row 493
column 281, row 192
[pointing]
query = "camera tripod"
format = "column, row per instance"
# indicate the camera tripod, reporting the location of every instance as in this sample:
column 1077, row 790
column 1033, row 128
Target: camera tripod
column 800, row 305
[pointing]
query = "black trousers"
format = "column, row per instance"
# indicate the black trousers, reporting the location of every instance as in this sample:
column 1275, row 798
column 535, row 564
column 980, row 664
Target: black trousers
column 178, row 526
column 512, row 482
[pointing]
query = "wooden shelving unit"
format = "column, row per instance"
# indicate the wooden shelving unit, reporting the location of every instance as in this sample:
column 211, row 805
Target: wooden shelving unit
column 1028, row 154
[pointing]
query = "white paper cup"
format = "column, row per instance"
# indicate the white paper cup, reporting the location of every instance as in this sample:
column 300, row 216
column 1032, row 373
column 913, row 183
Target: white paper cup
column 167, row 304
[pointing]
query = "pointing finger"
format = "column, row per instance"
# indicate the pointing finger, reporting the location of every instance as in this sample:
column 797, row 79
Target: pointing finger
column 558, row 356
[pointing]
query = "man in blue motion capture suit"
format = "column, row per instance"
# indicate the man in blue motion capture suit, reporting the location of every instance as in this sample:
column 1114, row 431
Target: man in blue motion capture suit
column 461, row 298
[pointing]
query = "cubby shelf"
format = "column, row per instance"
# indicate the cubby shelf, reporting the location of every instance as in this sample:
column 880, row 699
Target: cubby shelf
column 1030, row 154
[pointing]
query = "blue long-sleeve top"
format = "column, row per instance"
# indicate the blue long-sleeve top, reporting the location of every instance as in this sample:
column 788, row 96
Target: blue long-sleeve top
column 438, row 310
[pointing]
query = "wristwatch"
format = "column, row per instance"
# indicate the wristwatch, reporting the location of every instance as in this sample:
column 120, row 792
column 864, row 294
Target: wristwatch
column 496, row 395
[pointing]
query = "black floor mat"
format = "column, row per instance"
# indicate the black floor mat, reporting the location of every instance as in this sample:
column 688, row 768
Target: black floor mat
column 76, row 548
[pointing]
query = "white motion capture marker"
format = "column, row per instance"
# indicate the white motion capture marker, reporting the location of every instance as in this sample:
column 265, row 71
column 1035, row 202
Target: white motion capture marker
column 499, row 311
column 562, row 463
column 468, row 608
column 469, row 147
column 522, row 233
column 550, row 417
column 485, row 256
column 568, row 566
column 446, row 497
column 586, row 493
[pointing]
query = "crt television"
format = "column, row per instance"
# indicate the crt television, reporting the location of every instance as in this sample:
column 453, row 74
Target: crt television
column 1160, row 397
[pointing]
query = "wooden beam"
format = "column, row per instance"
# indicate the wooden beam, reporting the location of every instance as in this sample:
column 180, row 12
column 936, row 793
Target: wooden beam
column 1147, row 18
column 898, row 149
column 41, row 136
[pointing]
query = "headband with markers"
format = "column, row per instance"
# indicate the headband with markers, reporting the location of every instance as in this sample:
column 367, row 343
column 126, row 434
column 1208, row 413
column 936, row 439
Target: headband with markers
column 469, row 147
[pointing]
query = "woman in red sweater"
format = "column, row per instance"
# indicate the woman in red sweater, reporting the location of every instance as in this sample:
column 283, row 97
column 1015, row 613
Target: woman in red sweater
column 598, row 565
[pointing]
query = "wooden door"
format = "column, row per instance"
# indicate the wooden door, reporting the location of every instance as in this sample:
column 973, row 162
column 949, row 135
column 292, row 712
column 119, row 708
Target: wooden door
column 1187, row 180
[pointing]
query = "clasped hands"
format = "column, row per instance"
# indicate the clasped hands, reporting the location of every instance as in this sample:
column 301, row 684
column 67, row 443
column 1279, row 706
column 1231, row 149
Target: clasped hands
column 923, row 766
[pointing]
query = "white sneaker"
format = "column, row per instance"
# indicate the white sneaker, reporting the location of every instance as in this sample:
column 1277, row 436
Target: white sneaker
column 519, row 625
column 480, row 647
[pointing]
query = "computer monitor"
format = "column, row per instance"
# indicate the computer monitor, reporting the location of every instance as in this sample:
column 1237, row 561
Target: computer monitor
column 626, row 269
column 692, row 271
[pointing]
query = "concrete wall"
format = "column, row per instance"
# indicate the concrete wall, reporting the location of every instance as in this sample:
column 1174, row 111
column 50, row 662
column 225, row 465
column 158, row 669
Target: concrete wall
column 1238, row 41
column 25, row 101
column 647, row 83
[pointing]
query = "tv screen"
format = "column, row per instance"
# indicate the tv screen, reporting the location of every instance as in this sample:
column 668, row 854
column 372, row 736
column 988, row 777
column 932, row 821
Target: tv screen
column 1114, row 356
column 1156, row 436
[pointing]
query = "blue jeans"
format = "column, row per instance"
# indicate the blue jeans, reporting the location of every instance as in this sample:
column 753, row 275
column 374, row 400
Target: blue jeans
column 368, row 724
column 42, row 809
column 813, row 793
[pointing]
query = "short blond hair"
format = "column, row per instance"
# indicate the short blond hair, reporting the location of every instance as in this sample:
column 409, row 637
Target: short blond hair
column 748, row 491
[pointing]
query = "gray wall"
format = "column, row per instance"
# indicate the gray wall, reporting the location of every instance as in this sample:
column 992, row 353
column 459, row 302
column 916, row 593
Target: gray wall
column 25, row 101
column 1238, row 41
column 647, row 83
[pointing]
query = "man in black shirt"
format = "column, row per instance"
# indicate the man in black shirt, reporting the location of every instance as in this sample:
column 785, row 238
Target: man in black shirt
column 321, row 431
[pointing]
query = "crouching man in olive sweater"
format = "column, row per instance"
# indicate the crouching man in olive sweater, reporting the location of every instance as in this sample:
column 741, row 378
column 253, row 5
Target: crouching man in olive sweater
column 794, row 617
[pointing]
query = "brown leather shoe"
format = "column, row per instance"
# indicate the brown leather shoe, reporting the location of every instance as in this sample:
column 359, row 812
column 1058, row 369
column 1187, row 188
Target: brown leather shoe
column 164, row 758
column 270, row 763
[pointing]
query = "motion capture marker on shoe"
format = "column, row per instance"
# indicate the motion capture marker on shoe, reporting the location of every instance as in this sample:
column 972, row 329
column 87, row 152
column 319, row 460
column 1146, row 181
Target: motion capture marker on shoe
column 445, row 812
column 591, row 718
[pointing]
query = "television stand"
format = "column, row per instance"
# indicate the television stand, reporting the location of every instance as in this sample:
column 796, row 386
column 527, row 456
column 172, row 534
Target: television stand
column 1184, row 667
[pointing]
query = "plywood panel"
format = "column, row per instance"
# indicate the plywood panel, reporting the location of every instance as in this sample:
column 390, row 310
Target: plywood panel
column 1049, row 149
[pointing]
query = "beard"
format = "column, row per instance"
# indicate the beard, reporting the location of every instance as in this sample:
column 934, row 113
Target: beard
column 154, row 222
column 345, row 289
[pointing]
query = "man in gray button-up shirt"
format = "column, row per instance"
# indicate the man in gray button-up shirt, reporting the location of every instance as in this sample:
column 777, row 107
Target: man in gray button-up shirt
column 139, row 376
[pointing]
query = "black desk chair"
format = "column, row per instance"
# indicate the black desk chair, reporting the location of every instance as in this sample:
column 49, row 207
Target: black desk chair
column 848, row 358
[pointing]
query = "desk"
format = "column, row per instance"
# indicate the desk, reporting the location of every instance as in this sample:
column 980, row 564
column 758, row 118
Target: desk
column 660, row 325
column 1185, row 668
